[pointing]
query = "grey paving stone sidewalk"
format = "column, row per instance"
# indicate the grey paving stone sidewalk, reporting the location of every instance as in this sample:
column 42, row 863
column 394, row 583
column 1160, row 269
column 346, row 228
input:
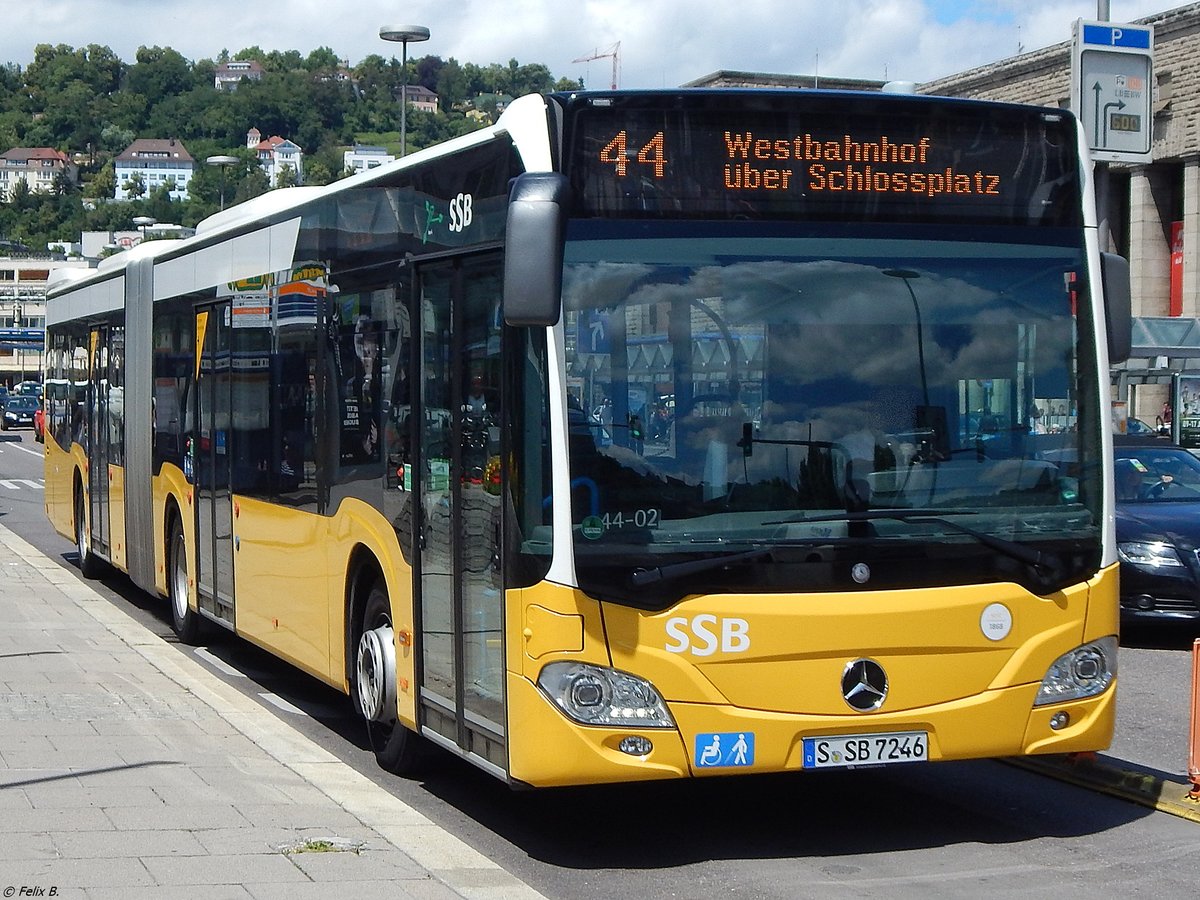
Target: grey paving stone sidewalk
column 128, row 770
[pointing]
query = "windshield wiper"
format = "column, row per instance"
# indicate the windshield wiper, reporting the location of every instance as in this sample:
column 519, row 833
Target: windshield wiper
column 643, row 577
column 1048, row 565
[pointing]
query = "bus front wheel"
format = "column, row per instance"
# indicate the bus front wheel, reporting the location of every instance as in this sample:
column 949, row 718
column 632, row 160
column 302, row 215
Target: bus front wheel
column 184, row 620
column 397, row 749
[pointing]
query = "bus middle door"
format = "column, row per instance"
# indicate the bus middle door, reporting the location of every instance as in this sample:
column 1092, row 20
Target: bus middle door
column 97, row 442
column 211, row 451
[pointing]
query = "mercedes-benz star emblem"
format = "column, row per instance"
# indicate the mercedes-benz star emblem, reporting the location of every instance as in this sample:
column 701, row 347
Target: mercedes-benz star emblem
column 864, row 685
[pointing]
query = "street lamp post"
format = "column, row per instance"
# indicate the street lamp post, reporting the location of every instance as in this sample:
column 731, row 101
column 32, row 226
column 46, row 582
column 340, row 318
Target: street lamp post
column 222, row 163
column 403, row 34
column 906, row 275
column 142, row 223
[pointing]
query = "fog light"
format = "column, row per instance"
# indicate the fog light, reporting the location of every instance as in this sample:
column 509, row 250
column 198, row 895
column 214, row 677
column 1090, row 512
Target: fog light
column 1059, row 720
column 635, row 745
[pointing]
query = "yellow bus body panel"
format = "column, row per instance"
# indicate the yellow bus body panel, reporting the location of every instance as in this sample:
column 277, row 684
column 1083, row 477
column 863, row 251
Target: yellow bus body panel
column 790, row 652
column 118, row 553
column 972, row 694
column 290, row 579
column 169, row 488
column 60, row 466
column 546, row 749
column 282, row 583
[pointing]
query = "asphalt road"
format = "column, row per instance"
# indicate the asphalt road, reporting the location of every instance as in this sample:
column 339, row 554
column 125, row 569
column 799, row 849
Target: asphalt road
column 945, row 830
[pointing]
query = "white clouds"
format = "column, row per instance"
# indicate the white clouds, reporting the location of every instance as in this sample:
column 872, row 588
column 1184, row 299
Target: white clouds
column 663, row 43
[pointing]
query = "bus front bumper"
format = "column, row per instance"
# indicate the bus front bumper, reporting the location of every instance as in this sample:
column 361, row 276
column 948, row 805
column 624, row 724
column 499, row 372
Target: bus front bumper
column 549, row 749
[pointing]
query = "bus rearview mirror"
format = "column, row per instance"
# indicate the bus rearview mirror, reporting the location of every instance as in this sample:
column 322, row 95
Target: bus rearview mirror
column 1118, row 306
column 533, row 264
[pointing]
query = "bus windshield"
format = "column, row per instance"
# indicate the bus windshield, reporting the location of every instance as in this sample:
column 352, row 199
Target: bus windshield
column 849, row 407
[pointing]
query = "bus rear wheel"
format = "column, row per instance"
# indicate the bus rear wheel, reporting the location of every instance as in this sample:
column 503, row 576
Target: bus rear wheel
column 90, row 565
column 397, row 749
column 184, row 620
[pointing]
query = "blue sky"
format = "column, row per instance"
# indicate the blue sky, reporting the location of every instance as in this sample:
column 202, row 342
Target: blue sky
column 663, row 43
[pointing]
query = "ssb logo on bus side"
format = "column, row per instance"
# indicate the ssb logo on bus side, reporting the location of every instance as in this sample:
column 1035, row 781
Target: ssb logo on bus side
column 703, row 634
column 460, row 213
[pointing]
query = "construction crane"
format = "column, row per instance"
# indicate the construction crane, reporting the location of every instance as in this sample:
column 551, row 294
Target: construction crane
column 615, row 52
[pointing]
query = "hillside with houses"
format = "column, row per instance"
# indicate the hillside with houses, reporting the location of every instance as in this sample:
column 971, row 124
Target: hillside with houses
column 89, row 142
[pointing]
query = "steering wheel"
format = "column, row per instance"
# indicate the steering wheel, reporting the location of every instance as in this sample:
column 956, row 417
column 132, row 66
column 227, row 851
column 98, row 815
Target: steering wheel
column 1157, row 490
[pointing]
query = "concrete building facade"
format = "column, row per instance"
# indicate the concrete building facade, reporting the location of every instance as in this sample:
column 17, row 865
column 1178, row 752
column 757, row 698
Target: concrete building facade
column 229, row 75
column 156, row 162
column 275, row 154
column 362, row 157
column 1152, row 210
column 23, row 277
column 39, row 167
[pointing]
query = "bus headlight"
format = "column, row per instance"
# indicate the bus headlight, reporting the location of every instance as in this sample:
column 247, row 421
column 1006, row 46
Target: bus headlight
column 1084, row 672
column 597, row 695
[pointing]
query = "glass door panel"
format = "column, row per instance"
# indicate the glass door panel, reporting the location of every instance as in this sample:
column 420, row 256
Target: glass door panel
column 459, row 493
column 435, row 467
column 214, row 507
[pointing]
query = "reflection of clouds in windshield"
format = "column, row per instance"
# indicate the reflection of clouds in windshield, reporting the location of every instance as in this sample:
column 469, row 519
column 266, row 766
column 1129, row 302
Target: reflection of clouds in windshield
column 837, row 319
column 600, row 284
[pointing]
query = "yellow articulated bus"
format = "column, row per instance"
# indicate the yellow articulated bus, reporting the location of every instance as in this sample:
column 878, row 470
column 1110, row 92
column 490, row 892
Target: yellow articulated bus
column 642, row 435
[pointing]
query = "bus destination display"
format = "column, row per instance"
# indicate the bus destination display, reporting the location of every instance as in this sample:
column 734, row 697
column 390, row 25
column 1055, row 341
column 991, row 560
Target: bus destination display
column 933, row 166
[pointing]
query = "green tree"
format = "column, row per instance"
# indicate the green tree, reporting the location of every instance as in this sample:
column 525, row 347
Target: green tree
column 20, row 197
column 275, row 61
column 529, row 79
column 160, row 206
column 323, row 59
column 127, row 114
column 87, row 100
column 428, row 70
column 135, row 185
column 286, row 178
column 452, row 87
column 204, row 193
column 62, row 185
column 54, row 68
column 317, row 172
column 114, row 139
column 252, row 184
column 103, row 184
column 159, row 72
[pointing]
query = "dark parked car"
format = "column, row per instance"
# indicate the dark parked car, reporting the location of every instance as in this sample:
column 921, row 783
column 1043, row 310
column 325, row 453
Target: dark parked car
column 1138, row 432
column 1158, row 532
column 18, row 412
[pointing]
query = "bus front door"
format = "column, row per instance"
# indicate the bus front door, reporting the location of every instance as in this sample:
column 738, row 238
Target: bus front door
column 460, row 584
column 214, row 505
column 97, row 443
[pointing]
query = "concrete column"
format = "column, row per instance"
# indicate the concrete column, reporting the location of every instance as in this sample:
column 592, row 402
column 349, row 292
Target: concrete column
column 1191, row 238
column 1149, row 248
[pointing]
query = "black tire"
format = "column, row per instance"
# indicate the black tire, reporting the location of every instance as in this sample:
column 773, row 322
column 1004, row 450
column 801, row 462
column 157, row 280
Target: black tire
column 90, row 565
column 184, row 620
column 397, row 749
